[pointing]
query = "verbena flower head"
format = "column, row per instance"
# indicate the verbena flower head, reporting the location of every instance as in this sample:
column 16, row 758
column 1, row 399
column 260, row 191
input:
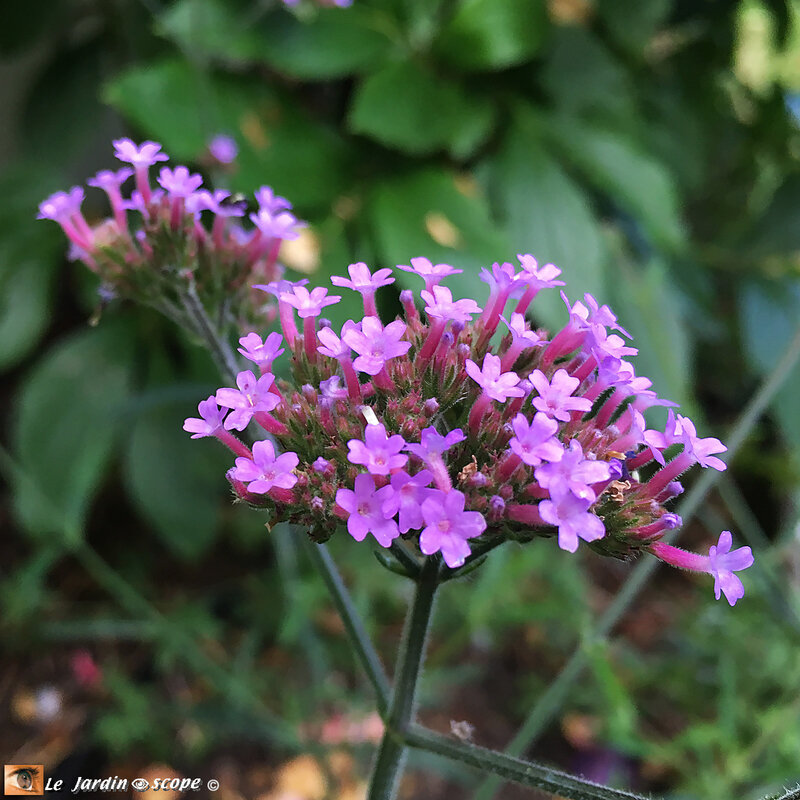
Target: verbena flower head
column 423, row 428
column 177, row 247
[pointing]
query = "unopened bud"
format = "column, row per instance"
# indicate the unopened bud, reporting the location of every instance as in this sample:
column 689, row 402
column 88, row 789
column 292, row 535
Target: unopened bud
column 310, row 393
column 321, row 465
column 430, row 407
column 497, row 507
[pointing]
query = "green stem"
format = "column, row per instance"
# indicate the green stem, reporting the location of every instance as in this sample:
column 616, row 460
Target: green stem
column 409, row 563
column 553, row 698
column 513, row 769
column 353, row 623
column 217, row 346
column 389, row 761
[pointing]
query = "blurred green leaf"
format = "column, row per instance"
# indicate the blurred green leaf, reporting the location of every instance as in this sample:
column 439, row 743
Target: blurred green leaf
column 29, row 250
column 428, row 213
column 67, row 425
column 212, row 28
column 631, row 22
column 776, row 232
column 25, row 289
column 621, row 169
column 279, row 144
column 546, row 214
column 176, row 483
column 65, row 90
column 648, row 308
column 493, row 34
column 770, row 315
column 331, row 45
column 407, row 106
column 583, row 77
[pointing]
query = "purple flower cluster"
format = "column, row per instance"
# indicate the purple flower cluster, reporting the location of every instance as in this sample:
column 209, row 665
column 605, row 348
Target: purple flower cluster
column 161, row 242
column 419, row 429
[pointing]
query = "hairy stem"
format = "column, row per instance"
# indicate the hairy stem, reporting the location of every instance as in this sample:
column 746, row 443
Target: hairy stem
column 513, row 769
column 220, row 350
column 391, row 753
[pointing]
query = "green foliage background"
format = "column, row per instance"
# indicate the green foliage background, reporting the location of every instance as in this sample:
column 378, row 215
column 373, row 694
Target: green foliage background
column 648, row 149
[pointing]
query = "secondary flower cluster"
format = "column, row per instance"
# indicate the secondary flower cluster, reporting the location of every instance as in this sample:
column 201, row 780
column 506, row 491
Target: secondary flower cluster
column 463, row 428
column 178, row 245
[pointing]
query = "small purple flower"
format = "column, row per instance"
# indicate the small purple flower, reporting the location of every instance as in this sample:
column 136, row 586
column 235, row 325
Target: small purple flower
column 210, row 421
column 602, row 315
column 136, row 201
column 144, row 155
column 570, row 514
column 537, row 277
column 602, row 344
column 308, row 304
column 440, row 305
column 179, row 182
column 536, row 440
column 376, row 344
column 361, row 280
column 253, row 396
column 722, row 563
column 277, row 224
column 65, row 209
column 409, row 492
column 578, row 315
column 700, row 449
column 658, row 441
column 555, row 396
column 204, row 200
column 281, row 287
column 334, row 346
column 264, row 471
column 378, row 453
column 321, row 465
column 332, row 389
column 223, row 148
column 520, row 332
column 110, row 181
column 497, row 385
column 574, row 472
column 364, row 506
column 266, row 198
column 448, row 526
column 432, row 273
column 262, row 353
column 433, row 443
column 60, row 206
column 503, row 278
